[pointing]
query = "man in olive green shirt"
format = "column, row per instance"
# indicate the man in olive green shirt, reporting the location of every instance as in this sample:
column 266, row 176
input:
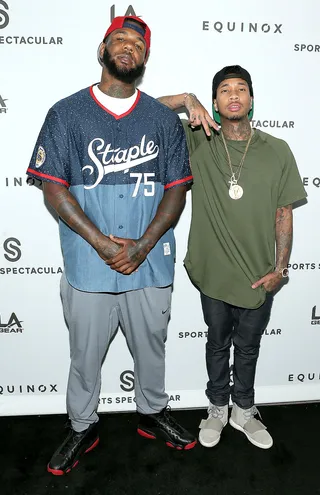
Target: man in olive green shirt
column 245, row 182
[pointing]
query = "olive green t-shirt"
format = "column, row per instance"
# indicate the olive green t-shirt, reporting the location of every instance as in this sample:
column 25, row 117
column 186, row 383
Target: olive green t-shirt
column 232, row 242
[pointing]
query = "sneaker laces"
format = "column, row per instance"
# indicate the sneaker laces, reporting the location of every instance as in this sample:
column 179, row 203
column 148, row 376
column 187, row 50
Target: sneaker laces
column 215, row 411
column 70, row 438
column 170, row 419
column 251, row 413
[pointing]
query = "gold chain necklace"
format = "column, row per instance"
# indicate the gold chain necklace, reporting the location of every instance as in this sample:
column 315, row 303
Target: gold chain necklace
column 236, row 191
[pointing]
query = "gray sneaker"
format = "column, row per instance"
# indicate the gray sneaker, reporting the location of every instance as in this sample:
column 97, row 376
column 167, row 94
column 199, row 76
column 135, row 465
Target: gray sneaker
column 244, row 420
column 211, row 428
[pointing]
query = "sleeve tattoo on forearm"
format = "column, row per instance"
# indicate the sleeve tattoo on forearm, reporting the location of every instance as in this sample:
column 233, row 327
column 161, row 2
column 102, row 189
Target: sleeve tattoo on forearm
column 283, row 235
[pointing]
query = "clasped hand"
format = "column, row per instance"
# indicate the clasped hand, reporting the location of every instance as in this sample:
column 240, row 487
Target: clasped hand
column 131, row 254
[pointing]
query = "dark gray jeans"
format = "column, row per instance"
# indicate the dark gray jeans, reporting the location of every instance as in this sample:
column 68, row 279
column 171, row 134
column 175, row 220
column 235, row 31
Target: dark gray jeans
column 244, row 328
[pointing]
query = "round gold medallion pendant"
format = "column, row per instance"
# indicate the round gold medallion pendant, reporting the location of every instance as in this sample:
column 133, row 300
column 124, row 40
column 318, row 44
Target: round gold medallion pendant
column 235, row 191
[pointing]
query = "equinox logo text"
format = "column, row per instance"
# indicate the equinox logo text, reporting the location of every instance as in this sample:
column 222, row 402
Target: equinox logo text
column 243, row 27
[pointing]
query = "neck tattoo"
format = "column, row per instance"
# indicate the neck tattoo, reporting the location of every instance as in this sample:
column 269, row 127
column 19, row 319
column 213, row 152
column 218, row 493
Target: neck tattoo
column 237, row 131
column 117, row 90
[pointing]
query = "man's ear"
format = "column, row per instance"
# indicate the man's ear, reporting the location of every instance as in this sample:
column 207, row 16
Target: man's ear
column 100, row 53
column 146, row 58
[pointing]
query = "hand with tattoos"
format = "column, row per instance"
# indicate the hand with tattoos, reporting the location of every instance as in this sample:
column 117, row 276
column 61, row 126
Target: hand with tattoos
column 106, row 248
column 134, row 251
column 270, row 282
column 283, row 248
column 198, row 115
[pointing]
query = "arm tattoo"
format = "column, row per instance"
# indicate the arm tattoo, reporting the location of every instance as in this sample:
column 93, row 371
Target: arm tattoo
column 70, row 211
column 173, row 102
column 167, row 215
column 283, row 235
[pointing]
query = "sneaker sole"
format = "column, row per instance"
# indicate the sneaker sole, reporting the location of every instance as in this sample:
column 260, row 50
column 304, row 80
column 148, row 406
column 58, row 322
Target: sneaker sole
column 170, row 444
column 239, row 428
column 60, row 472
column 211, row 444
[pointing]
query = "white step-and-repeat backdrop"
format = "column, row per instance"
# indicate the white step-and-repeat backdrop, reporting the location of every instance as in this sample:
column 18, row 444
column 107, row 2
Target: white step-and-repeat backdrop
column 47, row 52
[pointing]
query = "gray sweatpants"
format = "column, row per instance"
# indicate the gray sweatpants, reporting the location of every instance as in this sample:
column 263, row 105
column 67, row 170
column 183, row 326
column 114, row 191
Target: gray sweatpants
column 93, row 319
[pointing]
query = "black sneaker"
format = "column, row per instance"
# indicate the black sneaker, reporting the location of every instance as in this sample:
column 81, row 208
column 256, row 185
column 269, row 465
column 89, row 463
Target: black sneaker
column 163, row 425
column 75, row 445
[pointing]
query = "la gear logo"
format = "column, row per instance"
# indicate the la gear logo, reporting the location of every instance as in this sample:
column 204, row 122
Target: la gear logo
column 12, row 326
column 315, row 318
column 108, row 160
column 130, row 11
column 3, row 106
column 4, row 16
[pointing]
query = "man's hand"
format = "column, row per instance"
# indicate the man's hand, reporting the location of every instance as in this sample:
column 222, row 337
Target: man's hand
column 198, row 115
column 106, row 248
column 132, row 252
column 270, row 282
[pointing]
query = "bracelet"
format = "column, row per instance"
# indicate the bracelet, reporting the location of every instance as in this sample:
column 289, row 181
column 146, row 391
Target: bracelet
column 284, row 272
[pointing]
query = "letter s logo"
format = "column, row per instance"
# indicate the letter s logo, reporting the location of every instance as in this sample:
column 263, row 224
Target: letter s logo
column 11, row 247
column 127, row 381
column 4, row 16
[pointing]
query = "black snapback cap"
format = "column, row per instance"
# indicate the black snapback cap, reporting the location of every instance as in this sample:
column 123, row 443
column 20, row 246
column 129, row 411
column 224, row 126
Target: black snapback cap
column 228, row 72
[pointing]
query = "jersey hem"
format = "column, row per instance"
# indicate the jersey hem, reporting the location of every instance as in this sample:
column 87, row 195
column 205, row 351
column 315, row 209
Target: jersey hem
column 108, row 291
column 177, row 182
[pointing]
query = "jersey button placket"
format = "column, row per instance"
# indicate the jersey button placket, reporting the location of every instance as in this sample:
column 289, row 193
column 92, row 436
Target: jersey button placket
column 121, row 204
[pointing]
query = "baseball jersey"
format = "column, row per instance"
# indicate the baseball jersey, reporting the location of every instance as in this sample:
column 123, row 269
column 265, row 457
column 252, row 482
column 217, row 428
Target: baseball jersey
column 118, row 168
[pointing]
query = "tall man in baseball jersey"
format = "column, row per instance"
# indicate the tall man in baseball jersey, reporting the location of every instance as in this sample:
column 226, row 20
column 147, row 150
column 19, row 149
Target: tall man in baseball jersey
column 245, row 182
column 114, row 165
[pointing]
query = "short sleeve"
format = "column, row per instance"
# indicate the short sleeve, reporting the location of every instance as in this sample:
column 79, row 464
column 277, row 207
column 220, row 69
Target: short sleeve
column 290, row 187
column 195, row 137
column 178, row 170
column 49, row 161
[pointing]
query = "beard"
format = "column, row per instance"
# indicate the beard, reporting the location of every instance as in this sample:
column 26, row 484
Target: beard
column 242, row 115
column 123, row 74
column 236, row 118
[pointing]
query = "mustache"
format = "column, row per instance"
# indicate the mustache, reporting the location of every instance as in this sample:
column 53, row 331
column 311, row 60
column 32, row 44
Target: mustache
column 125, row 54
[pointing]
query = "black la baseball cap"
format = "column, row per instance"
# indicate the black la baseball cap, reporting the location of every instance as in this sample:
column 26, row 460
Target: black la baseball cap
column 227, row 73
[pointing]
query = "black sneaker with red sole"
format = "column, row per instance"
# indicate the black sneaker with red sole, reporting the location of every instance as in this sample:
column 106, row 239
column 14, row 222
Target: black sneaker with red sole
column 163, row 426
column 67, row 456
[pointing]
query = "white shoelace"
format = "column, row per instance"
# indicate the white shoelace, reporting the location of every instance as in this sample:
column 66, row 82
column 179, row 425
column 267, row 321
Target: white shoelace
column 215, row 411
column 250, row 413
